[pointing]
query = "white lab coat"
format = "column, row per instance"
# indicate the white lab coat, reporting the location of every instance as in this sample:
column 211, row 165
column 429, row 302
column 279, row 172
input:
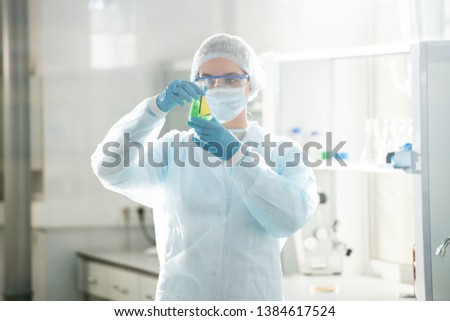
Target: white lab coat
column 219, row 230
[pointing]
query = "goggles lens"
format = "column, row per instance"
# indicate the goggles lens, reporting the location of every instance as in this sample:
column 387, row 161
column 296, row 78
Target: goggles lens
column 227, row 81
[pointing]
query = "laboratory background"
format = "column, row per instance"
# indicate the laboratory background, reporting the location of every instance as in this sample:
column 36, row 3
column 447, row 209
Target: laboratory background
column 371, row 73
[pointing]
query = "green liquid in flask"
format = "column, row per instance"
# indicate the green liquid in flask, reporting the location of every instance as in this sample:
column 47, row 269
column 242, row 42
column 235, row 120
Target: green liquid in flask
column 200, row 108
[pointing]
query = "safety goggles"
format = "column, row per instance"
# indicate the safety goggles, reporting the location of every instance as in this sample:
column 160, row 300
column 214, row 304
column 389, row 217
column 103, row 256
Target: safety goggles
column 225, row 81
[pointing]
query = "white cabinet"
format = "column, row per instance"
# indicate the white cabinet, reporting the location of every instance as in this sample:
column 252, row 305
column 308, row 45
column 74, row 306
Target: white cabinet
column 148, row 286
column 432, row 99
column 95, row 279
column 381, row 217
column 117, row 276
column 123, row 285
column 331, row 96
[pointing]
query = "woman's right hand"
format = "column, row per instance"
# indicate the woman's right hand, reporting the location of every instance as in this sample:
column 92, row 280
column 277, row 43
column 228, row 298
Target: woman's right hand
column 178, row 92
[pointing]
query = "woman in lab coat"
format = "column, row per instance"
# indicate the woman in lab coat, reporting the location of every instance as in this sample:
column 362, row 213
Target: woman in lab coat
column 225, row 194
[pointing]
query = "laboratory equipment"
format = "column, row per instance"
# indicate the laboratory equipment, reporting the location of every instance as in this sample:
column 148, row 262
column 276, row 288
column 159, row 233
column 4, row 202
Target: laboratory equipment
column 200, row 108
column 372, row 141
column 320, row 252
column 296, row 135
column 314, row 151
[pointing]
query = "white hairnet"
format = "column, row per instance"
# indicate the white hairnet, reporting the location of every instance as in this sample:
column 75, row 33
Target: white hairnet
column 235, row 49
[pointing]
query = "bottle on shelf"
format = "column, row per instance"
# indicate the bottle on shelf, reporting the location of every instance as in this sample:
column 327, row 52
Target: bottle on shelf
column 296, row 135
column 314, row 152
column 409, row 130
column 393, row 143
column 405, row 131
column 382, row 146
column 369, row 151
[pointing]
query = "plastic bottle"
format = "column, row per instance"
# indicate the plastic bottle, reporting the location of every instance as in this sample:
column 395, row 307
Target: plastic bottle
column 296, row 135
column 405, row 131
column 376, row 138
column 409, row 130
column 200, row 108
column 382, row 147
column 401, row 131
column 369, row 151
column 393, row 143
column 314, row 153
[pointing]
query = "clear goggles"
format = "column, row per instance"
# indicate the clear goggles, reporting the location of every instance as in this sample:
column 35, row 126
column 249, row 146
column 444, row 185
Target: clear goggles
column 225, row 81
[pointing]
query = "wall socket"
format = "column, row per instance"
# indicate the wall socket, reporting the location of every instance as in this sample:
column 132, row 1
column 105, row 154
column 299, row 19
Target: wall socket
column 124, row 216
column 129, row 215
column 126, row 212
column 147, row 214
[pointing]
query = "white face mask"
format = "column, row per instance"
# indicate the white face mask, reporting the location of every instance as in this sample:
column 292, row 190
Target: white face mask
column 226, row 103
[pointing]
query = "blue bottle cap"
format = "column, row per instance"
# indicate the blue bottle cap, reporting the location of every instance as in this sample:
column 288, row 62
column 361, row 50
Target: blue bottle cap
column 342, row 155
column 296, row 130
column 407, row 146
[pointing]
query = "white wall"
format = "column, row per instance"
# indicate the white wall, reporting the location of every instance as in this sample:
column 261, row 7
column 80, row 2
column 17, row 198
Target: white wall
column 81, row 101
column 292, row 25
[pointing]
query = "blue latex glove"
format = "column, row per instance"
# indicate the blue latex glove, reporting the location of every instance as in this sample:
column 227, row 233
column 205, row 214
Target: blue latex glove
column 178, row 92
column 214, row 138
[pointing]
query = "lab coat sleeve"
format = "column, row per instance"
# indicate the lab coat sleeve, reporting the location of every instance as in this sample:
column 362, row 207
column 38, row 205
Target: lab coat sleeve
column 121, row 160
column 282, row 200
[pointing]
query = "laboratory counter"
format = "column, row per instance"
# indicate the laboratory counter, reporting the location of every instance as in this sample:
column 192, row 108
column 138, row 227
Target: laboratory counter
column 119, row 276
column 299, row 287
column 136, row 261
column 133, row 276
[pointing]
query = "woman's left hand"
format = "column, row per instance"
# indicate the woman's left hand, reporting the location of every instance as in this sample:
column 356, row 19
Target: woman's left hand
column 214, row 138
